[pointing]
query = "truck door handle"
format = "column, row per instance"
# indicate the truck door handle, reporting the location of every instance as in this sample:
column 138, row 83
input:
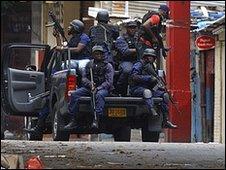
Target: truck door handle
column 33, row 76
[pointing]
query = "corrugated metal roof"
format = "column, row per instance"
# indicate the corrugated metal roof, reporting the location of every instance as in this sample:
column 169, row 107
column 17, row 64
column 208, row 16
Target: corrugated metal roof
column 218, row 23
column 139, row 8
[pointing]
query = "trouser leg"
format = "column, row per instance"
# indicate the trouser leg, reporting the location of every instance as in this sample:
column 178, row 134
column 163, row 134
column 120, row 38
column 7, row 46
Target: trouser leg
column 139, row 91
column 125, row 68
column 73, row 107
column 164, row 109
column 100, row 103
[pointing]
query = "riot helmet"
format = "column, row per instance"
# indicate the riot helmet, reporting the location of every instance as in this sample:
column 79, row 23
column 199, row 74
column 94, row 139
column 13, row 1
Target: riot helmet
column 149, row 52
column 98, row 53
column 97, row 48
column 164, row 9
column 102, row 16
column 131, row 24
column 77, row 25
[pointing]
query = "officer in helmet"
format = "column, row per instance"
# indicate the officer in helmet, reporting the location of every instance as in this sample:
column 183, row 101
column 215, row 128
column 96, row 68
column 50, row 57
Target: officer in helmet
column 79, row 41
column 144, row 81
column 103, row 83
column 79, row 50
column 151, row 29
column 104, row 34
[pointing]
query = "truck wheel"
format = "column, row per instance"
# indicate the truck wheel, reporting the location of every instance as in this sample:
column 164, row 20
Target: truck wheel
column 30, row 122
column 148, row 136
column 58, row 134
column 123, row 134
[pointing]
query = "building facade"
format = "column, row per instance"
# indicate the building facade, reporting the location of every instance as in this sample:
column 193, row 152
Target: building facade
column 208, row 85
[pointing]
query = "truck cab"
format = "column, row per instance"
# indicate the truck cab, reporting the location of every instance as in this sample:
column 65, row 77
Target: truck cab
column 31, row 73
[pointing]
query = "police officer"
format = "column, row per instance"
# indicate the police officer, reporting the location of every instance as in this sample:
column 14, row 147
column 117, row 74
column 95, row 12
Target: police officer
column 78, row 43
column 103, row 78
column 126, row 46
column 104, row 34
column 151, row 28
column 144, row 81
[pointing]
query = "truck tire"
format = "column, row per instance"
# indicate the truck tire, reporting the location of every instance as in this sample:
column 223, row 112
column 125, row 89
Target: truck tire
column 122, row 134
column 57, row 133
column 149, row 136
column 30, row 122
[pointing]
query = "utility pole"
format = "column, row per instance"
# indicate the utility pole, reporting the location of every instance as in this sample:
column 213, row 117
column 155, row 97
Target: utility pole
column 178, row 70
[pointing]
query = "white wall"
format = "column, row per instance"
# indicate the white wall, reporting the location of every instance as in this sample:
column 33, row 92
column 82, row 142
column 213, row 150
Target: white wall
column 219, row 91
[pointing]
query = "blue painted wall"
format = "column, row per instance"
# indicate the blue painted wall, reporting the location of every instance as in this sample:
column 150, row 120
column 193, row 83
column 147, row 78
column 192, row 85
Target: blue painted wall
column 196, row 132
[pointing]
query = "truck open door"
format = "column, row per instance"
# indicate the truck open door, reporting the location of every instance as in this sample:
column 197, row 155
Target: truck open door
column 23, row 69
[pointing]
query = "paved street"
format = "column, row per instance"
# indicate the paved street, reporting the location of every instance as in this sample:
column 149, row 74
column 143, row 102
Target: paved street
column 67, row 155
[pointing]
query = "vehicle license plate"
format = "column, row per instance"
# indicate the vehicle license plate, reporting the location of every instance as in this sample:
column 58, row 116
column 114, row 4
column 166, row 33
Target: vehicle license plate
column 117, row 112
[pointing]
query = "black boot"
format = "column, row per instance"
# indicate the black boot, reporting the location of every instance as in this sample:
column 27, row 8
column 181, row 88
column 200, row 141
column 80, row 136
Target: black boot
column 39, row 128
column 167, row 123
column 71, row 125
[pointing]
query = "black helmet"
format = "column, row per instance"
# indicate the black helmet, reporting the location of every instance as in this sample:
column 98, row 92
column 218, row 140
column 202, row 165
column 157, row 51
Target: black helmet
column 165, row 9
column 102, row 16
column 97, row 48
column 149, row 51
column 131, row 24
column 77, row 25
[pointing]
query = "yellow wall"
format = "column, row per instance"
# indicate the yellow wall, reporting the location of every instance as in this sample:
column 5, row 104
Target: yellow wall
column 69, row 10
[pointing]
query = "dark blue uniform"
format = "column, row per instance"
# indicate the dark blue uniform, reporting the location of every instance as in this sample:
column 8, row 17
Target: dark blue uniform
column 123, row 44
column 104, row 34
column 74, row 41
column 143, row 79
column 84, row 54
column 103, row 77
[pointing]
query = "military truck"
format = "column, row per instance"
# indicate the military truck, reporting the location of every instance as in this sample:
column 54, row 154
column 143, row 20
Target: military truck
column 27, row 82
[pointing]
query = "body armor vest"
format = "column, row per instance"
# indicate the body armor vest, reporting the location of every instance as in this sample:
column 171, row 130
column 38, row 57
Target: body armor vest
column 74, row 41
column 132, row 43
column 101, row 34
column 147, row 69
column 99, row 70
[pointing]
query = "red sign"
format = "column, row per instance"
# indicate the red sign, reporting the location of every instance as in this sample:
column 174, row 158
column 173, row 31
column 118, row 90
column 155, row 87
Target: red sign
column 205, row 42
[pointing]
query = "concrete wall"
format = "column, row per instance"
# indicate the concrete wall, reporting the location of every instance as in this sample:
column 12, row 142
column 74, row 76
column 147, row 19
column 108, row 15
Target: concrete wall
column 219, row 97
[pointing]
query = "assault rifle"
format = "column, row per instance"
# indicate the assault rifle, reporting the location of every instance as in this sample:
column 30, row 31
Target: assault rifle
column 93, row 101
column 57, row 26
column 161, row 83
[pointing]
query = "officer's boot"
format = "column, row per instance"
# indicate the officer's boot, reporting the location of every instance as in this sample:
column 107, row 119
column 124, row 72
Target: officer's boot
column 72, row 124
column 39, row 128
column 167, row 123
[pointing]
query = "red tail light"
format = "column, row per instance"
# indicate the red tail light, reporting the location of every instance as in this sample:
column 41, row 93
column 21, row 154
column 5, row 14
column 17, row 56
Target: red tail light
column 71, row 85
